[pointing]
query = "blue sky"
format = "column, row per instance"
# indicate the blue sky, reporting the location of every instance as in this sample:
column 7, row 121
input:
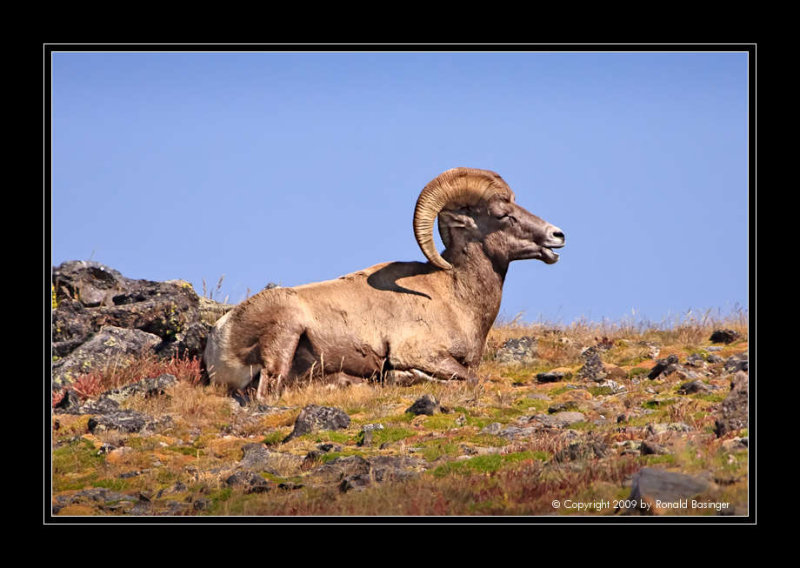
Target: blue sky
column 299, row 167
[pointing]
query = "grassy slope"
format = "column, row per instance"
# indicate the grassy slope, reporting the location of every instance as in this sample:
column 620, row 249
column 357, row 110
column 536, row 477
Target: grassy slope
column 181, row 470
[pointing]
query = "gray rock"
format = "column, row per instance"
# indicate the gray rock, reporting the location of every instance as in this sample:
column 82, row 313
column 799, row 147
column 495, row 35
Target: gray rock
column 615, row 387
column 666, row 486
column 552, row 377
column 90, row 283
column 109, row 401
column 248, row 481
column 658, row 428
column 593, row 369
column 687, row 374
column 90, row 296
column 340, row 469
column 734, row 411
column 188, row 341
column 110, row 345
column 736, row 363
column 70, row 403
column 559, row 420
column 696, row 360
column 313, row 418
column 664, row 367
column 426, row 404
column 256, row 457
column 648, row 447
column 519, row 431
column 355, row 472
column 100, row 405
column 176, row 509
column 129, row 474
column 562, row 406
column 126, row 421
column 584, row 450
column 105, row 499
column 146, row 387
column 394, row 468
column 517, row 351
column 72, row 324
column 724, row 336
column 494, row 429
column 61, row 349
column 351, row 482
column 693, row 387
column 367, row 434
column 178, row 487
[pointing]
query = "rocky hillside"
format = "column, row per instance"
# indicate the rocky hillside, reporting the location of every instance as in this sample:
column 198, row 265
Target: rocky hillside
column 577, row 420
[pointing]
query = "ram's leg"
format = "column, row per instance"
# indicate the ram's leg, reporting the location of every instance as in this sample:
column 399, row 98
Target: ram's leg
column 408, row 377
column 277, row 353
column 342, row 379
column 446, row 370
column 450, row 369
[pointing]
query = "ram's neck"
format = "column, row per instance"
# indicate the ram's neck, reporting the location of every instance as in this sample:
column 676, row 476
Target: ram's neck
column 478, row 282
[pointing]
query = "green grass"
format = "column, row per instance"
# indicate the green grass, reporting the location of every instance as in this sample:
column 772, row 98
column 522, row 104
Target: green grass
column 505, row 413
column 390, row 434
column 531, row 403
column 220, row 495
column 485, row 464
column 75, row 465
column 442, row 421
column 654, row 460
column 274, row 438
column 185, row 450
column 113, row 484
column 489, row 440
column 655, row 404
column 328, row 436
column 711, row 397
column 435, row 449
column 582, row 426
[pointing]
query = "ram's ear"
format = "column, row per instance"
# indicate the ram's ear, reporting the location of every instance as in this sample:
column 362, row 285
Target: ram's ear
column 454, row 221
column 457, row 220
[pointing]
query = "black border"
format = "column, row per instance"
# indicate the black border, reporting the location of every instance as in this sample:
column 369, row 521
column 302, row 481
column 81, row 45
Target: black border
column 49, row 48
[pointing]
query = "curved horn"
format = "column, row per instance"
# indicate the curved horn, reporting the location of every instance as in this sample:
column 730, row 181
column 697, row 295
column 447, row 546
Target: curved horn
column 458, row 187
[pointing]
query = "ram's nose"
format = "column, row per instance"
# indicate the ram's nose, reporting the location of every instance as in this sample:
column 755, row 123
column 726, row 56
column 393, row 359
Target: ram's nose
column 555, row 237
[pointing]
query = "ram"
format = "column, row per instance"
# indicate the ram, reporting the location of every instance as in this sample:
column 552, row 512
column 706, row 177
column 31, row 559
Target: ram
column 397, row 321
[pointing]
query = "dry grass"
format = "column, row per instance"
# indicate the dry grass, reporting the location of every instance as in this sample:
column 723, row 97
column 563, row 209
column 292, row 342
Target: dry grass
column 117, row 374
column 192, row 458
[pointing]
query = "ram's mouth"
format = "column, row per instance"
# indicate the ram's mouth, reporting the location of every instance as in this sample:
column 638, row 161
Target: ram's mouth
column 549, row 256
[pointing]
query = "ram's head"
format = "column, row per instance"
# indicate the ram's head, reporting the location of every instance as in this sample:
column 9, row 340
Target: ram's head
column 477, row 206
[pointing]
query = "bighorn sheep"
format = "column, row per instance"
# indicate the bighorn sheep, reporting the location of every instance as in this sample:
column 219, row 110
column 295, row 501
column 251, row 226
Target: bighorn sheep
column 396, row 320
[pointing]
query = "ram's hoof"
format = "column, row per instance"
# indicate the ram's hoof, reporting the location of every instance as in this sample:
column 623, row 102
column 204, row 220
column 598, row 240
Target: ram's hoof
column 408, row 377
